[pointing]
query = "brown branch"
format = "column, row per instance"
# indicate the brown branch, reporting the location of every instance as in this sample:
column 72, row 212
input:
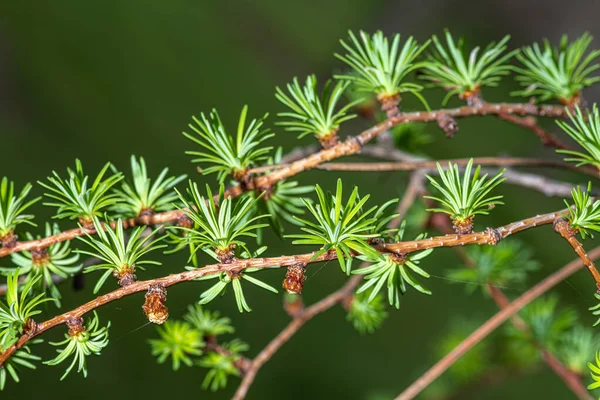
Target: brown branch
column 350, row 146
column 492, row 324
column 530, row 122
column 490, row 237
column 412, row 165
column 299, row 320
column 563, row 227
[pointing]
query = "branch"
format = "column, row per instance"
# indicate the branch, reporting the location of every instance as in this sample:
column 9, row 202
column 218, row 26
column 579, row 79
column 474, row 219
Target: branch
column 492, row 324
column 350, row 146
column 299, row 320
column 547, row 138
column 563, row 227
column 412, row 165
column 490, row 236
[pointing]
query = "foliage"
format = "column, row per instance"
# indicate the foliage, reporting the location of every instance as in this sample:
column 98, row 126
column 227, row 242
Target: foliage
column 225, row 279
column 57, row 259
column 311, row 113
column 596, row 309
column 547, row 324
column 75, row 200
column 557, row 73
column 120, row 255
column 80, row 345
column 210, row 323
column 22, row 358
column 382, row 67
column 18, row 308
column 143, row 196
column 577, row 347
column 219, row 149
column 452, row 70
column 584, row 216
column 395, row 271
column 595, row 372
column 585, row 130
column 221, row 365
column 505, row 265
column 338, row 228
column 464, row 198
column 219, row 227
column 366, row 316
column 178, row 340
column 12, row 207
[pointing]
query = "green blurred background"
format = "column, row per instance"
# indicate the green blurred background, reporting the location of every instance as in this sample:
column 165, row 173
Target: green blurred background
column 101, row 80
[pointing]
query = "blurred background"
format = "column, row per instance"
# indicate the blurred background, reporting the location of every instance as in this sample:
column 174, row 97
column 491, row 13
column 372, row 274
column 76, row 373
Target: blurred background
column 101, row 80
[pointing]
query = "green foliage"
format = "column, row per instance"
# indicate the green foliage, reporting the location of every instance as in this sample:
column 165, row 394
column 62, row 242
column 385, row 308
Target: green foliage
column 595, row 372
column 505, row 265
column 452, row 70
column 210, row 323
column 222, row 365
column 143, row 196
column 557, row 73
column 219, row 149
column 283, row 200
column 219, row 227
column 584, row 216
column 471, row 364
column 340, row 228
column 18, row 309
column 21, row 358
column 596, row 309
column 366, row 316
column 56, row 259
column 13, row 206
column 394, row 271
column 381, row 67
column 464, row 198
column 235, row 280
column 311, row 113
column 75, row 200
column 585, row 130
column 119, row 255
column 548, row 325
column 80, row 345
column 576, row 348
column 178, row 340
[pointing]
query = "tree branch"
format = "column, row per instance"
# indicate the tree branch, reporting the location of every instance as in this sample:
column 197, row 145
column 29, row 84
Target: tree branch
column 350, row 146
column 492, row 324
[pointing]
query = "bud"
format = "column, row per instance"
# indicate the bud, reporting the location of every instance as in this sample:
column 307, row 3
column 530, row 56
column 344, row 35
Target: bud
column 154, row 306
column 448, row 124
column 294, row 278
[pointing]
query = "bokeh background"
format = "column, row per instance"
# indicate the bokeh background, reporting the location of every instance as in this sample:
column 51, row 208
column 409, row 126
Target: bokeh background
column 101, row 80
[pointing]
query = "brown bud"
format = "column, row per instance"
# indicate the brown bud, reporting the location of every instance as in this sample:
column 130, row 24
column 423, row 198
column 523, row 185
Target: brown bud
column 389, row 104
column 75, row 326
column 154, row 306
column 448, row 124
column 9, row 240
column 126, row 276
column 39, row 257
column 226, row 256
column 330, row 139
column 463, row 226
column 294, row 278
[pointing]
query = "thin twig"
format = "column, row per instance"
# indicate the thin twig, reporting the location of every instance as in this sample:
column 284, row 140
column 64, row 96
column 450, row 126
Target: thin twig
column 492, row 324
column 562, row 226
column 530, row 122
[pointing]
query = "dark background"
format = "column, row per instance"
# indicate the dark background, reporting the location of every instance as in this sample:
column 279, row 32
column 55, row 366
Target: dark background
column 100, row 80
